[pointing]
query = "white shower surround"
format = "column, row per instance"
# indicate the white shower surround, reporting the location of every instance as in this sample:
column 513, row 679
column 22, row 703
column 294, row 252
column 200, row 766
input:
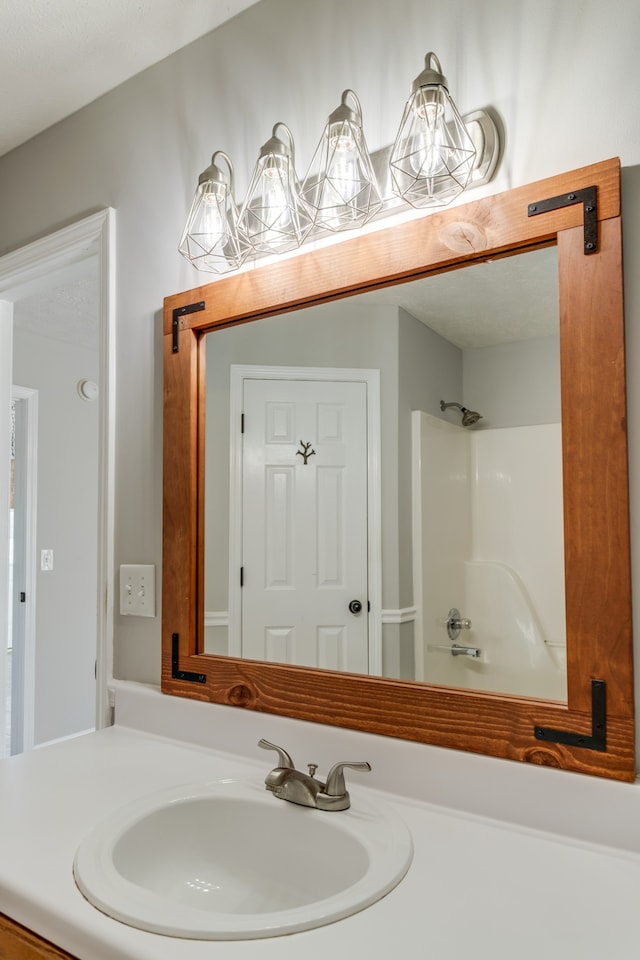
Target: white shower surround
column 489, row 516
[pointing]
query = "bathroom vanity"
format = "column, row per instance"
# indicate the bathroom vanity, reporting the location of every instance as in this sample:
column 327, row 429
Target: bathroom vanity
column 524, row 864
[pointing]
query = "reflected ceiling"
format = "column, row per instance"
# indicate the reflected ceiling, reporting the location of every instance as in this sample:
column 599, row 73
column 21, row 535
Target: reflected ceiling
column 519, row 298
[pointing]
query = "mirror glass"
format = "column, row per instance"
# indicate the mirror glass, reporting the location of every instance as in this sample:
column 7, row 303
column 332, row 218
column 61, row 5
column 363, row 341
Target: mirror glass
column 353, row 524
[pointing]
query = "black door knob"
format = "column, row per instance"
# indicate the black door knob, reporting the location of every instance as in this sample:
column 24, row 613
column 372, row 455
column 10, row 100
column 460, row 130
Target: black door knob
column 355, row 606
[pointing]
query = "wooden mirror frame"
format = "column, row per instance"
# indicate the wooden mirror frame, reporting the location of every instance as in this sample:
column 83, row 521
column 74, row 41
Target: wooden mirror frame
column 599, row 713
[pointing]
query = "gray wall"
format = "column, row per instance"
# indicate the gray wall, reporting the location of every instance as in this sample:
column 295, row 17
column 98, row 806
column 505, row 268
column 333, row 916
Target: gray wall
column 431, row 371
column 514, row 384
column 141, row 148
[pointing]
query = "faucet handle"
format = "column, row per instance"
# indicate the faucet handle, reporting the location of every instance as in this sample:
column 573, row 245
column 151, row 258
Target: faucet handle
column 284, row 760
column 335, row 785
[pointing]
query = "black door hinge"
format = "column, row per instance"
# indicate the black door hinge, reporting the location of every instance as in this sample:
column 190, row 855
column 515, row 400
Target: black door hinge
column 242, row 576
column 242, row 423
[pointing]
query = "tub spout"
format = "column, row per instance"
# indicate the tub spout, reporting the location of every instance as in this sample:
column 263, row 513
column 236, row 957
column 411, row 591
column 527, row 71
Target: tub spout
column 457, row 650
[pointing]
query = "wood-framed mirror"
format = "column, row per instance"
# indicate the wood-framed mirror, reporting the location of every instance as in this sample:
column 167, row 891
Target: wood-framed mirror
column 590, row 731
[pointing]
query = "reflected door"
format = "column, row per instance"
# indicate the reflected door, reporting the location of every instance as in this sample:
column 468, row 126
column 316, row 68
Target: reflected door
column 304, row 539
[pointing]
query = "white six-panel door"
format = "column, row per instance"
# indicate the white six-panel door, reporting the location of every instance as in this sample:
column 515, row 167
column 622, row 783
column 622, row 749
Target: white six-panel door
column 304, row 523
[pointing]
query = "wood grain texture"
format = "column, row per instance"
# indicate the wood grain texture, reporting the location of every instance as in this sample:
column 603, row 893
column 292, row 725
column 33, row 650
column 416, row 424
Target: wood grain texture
column 491, row 724
column 594, row 436
column 19, row 943
column 441, row 240
column 598, row 589
column 180, row 487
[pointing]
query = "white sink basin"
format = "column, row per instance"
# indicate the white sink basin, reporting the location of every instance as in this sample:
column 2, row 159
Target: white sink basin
column 228, row 861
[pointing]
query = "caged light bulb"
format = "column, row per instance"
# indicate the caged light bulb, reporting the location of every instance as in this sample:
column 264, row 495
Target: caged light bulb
column 211, row 225
column 277, row 212
column 211, row 240
column 428, row 143
column 340, row 185
column 274, row 217
column 433, row 156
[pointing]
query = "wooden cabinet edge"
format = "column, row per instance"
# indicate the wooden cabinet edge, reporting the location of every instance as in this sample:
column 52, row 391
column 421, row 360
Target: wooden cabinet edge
column 20, row 943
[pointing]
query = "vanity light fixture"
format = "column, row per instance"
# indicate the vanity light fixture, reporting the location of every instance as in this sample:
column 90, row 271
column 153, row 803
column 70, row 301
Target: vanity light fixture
column 274, row 217
column 433, row 156
column 340, row 185
column 436, row 155
column 211, row 239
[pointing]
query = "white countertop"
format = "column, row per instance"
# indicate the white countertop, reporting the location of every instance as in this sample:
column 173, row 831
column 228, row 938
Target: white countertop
column 477, row 887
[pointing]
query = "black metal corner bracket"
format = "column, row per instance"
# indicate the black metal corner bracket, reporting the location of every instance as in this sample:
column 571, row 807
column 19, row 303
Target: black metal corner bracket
column 587, row 197
column 598, row 738
column 182, row 312
column 176, row 672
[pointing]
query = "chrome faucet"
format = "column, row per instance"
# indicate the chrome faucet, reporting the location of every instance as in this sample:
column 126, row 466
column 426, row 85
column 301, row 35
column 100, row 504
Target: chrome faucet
column 287, row 783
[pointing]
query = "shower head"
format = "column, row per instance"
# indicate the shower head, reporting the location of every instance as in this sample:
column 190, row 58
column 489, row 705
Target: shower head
column 469, row 417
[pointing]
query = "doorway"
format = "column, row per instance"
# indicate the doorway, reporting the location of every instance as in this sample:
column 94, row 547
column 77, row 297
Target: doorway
column 59, row 262
column 20, row 682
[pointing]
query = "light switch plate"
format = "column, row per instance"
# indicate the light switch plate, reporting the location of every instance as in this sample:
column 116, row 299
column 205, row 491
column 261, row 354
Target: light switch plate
column 138, row 590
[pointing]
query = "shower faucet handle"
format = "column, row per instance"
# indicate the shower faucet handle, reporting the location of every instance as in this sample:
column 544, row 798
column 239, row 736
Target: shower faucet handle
column 462, row 623
column 455, row 623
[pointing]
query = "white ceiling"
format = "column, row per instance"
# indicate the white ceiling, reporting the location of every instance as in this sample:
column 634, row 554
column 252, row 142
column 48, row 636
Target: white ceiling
column 56, row 56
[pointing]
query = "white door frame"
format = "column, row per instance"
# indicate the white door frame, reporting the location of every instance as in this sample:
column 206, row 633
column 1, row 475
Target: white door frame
column 371, row 378
column 417, row 543
column 6, row 349
column 23, row 709
column 21, row 273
